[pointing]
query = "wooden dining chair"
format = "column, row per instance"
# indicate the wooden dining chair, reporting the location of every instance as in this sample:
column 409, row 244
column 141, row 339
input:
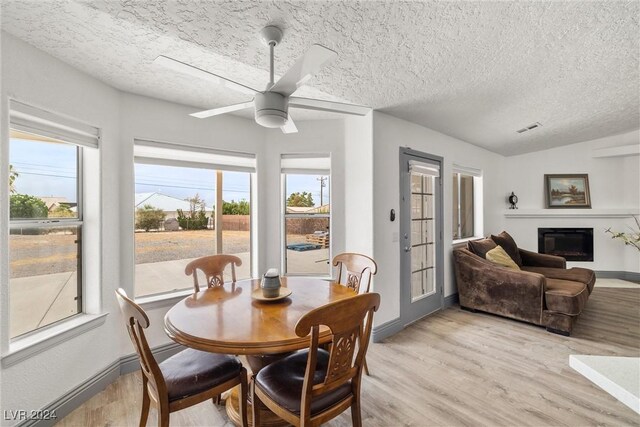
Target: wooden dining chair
column 355, row 270
column 213, row 268
column 313, row 386
column 184, row 379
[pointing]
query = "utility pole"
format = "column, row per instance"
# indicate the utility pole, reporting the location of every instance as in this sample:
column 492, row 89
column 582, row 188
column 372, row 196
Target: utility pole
column 323, row 184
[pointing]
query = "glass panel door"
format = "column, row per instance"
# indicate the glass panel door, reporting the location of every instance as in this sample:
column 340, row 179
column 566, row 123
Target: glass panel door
column 421, row 250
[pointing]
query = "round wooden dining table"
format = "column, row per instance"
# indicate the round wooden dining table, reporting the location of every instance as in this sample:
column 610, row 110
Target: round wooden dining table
column 227, row 319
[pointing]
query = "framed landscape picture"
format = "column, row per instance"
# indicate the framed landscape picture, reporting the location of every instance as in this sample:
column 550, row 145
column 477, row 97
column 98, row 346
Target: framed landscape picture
column 567, row 191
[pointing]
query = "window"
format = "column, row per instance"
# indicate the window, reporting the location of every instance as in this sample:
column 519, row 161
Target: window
column 307, row 215
column 466, row 202
column 176, row 199
column 46, row 219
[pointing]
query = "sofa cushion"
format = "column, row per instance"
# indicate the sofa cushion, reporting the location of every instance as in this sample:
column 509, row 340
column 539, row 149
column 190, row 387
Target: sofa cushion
column 575, row 274
column 565, row 296
column 506, row 241
column 480, row 247
column 498, row 256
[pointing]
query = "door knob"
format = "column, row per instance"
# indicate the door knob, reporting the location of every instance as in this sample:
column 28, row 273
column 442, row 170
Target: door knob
column 407, row 248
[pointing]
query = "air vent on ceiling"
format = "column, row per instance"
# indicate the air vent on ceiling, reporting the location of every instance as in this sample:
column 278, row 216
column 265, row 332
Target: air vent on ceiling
column 530, row 127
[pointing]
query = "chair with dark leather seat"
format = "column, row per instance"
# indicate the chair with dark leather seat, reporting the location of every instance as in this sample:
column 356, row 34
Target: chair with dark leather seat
column 213, row 268
column 312, row 386
column 355, row 271
column 183, row 380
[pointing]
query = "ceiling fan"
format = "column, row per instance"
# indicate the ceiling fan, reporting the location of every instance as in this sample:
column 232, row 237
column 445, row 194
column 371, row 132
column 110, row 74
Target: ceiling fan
column 272, row 104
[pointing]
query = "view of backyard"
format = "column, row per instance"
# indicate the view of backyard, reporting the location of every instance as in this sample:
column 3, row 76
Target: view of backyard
column 43, row 284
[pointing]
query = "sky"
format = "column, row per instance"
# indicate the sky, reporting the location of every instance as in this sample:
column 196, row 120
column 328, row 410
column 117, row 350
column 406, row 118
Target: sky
column 49, row 170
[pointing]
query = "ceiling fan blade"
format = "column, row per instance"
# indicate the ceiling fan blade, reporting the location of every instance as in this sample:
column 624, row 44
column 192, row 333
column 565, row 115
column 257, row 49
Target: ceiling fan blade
column 184, row 68
column 304, row 68
column 334, row 107
column 222, row 110
column 290, row 127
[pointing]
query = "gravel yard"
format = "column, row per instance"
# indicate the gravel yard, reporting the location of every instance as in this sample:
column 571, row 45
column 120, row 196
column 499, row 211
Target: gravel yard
column 57, row 253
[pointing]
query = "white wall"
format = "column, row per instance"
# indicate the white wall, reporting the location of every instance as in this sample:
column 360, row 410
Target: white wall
column 389, row 134
column 614, row 183
column 358, row 184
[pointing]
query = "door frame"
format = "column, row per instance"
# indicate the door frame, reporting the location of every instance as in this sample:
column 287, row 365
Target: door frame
column 405, row 218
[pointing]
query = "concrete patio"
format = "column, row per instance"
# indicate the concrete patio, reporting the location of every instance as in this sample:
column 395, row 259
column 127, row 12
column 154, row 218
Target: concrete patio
column 37, row 301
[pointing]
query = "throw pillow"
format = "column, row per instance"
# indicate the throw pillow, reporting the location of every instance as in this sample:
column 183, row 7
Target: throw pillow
column 499, row 256
column 481, row 247
column 509, row 245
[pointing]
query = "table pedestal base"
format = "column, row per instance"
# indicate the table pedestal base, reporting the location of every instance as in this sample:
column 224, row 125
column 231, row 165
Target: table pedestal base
column 267, row 418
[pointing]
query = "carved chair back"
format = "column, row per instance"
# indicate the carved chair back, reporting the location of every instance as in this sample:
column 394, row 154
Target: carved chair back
column 137, row 321
column 213, row 268
column 356, row 270
column 349, row 321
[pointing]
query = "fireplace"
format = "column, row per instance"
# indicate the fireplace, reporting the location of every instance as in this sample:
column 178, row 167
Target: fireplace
column 573, row 244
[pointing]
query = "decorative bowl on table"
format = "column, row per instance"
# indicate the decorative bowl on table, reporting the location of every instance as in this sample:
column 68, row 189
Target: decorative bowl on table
column 258, row 295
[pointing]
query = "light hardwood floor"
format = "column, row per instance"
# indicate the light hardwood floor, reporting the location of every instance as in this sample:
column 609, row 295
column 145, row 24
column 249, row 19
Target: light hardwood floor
column 456, row 368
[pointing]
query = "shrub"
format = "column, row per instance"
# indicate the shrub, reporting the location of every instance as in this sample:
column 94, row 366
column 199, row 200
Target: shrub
column 62, row 211
column 196, row 218
column 149, row 218
column 236, row 208
column 303, row 199
column 25, row 206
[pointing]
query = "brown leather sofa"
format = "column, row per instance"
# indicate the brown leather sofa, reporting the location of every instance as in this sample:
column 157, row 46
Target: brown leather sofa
column 544, row 292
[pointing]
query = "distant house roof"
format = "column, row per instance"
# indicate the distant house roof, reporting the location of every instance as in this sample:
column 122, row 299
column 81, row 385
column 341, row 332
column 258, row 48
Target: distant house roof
column 53, row 202
column 161, row 201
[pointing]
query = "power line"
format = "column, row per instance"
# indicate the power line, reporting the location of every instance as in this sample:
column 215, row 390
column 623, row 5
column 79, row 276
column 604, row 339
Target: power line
column 46, row 174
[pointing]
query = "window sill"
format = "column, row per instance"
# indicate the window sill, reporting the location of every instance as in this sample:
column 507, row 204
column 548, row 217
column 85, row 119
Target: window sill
column 152, row 302
column 37, row 342
column 465, row 240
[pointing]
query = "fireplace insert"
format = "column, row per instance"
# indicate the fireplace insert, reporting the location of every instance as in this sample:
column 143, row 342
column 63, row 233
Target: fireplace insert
column 573, row 244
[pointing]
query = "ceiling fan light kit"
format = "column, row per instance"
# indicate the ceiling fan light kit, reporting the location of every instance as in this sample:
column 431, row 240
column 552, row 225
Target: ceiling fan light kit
column 272, row 105
column 271, row 109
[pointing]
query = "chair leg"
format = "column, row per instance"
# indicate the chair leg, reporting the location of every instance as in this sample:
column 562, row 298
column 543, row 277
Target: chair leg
column 356, row 417
column 163, row 416
column 243, row 398
column 146, row 401
column 255, row 405
column 145, row 408
column 366, row 368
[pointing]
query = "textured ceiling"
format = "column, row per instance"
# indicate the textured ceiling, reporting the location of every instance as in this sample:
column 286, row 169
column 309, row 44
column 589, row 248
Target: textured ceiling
column 478, row 71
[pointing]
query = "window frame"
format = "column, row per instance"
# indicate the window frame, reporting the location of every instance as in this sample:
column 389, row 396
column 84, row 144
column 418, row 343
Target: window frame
column 52, row 223
column 219, row 160
column 476, row 205
column 67, row 129
column 285, row 216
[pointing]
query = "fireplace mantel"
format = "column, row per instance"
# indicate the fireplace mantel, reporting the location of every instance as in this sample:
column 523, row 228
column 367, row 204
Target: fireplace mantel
column 571, row 213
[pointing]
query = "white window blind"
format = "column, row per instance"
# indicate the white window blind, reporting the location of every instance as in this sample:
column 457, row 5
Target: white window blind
column 306, row 163
column 424, row 168
column 33, row 120
column 164, row 153
column 465, row 170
